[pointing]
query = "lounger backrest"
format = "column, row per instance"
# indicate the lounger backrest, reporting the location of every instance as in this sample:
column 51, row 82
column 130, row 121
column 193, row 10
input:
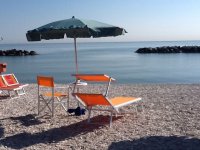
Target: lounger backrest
column 2, row 84
column 10, row 79
column 45, row 81
column 91, row 99
column 98, row 99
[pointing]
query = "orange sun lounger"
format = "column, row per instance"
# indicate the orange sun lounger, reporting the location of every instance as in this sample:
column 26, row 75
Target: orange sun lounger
column 9, row 83
column 91, row 100
column 11, row 80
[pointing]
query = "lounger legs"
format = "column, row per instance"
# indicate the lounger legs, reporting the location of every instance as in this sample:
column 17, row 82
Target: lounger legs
column 38, row 105
column 111, row 114
column 51, row 108
column 13, row 94
column 89, row 114
column 60, row 101
column 50, row 103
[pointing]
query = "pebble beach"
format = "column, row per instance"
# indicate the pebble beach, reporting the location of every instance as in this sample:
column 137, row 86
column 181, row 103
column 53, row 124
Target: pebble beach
column 166, row 118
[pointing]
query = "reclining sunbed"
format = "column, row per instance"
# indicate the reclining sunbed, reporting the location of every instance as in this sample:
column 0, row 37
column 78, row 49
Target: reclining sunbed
column 10, row 84
column 91, row 100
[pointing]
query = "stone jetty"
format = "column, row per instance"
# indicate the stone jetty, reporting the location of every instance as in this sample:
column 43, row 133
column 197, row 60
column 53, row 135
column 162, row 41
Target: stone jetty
column 15, row 52
column 170, row 49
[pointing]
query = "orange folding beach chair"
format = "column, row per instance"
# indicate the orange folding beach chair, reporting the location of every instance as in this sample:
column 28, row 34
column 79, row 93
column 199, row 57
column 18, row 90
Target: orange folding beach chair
column 9, row 83
column 49, row 96
column 91, row 100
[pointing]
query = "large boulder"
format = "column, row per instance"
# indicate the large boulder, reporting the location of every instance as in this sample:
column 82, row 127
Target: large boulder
column 32, row 53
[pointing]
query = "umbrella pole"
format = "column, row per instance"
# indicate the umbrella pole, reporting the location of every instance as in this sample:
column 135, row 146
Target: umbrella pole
column 76, row 57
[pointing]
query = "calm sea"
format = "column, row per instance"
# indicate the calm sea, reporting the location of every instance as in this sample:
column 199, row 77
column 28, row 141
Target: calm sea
column 118, row 60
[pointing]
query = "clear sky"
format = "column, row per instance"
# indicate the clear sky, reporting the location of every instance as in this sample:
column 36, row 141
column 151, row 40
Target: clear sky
column 145, row 20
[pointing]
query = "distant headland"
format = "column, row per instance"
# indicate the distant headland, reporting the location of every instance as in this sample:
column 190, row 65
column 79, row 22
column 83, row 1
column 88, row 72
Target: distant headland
column 169, row 49
column 15, row 52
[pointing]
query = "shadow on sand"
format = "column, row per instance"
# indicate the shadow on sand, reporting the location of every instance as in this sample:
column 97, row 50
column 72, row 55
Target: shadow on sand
column 158, row 143
column 54, row 135
column 4, row 97
column 27, row 120
column 1, row 131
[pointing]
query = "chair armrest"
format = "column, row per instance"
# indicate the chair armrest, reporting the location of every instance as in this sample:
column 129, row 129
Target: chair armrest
column 60, row 87
column 67, row 87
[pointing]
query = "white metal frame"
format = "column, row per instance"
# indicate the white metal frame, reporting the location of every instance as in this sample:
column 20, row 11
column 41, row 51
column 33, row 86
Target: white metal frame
column 51, row 100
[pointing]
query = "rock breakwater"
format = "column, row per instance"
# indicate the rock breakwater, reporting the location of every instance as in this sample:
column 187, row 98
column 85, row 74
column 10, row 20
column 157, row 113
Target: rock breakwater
column 15, row 52
column 170, row 49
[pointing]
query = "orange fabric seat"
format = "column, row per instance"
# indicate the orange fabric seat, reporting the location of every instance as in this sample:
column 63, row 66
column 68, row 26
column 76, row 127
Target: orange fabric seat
column 10, row 79
column 99, row 99
column 57, row 94
column 93, row 77
column 122, row 100
column 2, row 84
column 92, row 99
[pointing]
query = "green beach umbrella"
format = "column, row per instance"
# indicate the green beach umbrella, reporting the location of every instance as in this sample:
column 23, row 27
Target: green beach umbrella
column 74, row 28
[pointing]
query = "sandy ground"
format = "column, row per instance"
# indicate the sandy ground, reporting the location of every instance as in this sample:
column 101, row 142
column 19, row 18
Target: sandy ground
column 169, row 119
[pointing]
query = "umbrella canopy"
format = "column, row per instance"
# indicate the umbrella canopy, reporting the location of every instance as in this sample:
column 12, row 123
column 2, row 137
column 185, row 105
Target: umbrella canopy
column 74, row 28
